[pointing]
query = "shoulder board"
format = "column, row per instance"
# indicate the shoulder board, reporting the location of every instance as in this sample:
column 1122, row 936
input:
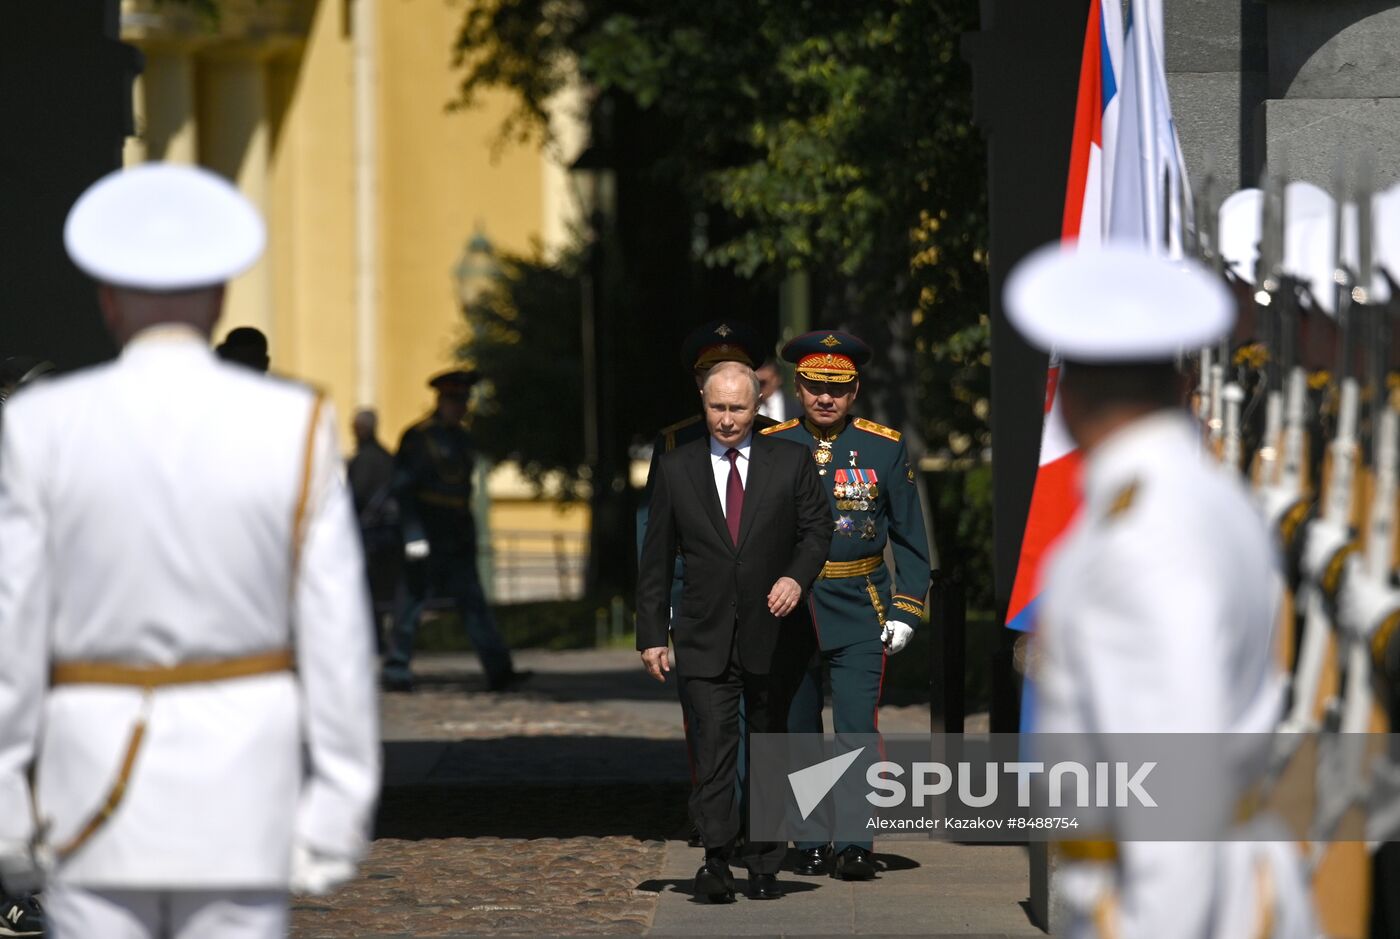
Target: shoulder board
column 678, row 425
column 879, row 430
column 783, row 426
column 1122, row 501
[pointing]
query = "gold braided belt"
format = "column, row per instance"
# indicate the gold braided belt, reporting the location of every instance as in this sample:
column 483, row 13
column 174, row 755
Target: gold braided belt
column 833, row 570
column 160, row 676
column 149, row 678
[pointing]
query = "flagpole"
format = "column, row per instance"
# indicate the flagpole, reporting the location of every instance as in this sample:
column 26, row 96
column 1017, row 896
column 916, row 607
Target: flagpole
column 1147, row 125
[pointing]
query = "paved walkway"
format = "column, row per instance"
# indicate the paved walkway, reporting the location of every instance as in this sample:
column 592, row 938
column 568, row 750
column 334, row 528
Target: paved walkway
column 925, row 888
column 555, row 811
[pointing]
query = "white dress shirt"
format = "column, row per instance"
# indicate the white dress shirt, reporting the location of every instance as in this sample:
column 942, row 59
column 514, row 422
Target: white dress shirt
column 720, row 464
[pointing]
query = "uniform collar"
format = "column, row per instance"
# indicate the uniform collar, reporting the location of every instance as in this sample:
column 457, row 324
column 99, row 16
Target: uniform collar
column 165, row 338
column 826, row 435
column 1138, row 445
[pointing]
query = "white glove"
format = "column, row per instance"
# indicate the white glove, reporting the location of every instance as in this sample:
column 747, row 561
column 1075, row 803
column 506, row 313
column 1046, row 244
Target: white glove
column 1364, row 602
column 416, row 550
column 896, row 636
column 21, row 871
column 316, row 873
column 1325, row 539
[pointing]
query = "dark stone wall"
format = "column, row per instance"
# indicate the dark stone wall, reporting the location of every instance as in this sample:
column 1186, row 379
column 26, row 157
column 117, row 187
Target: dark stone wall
column 65, row 97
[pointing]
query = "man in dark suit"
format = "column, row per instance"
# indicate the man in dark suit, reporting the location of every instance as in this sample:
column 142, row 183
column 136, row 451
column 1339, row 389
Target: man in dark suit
column 749, row 518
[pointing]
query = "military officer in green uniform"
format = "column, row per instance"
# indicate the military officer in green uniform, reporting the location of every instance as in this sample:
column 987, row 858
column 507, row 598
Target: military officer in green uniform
column 861, row 611
column 704, row 347
column 432, row 483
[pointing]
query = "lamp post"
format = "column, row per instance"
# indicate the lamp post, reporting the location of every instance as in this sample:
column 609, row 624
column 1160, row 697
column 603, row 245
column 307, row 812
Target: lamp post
column 595, row 187
column 474, row 273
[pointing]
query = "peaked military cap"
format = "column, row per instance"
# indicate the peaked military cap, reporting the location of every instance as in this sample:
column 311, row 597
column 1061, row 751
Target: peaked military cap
column 163, row 227
column 457, row 382
column 827, row 355
column 1116, row 303
column 722, row 341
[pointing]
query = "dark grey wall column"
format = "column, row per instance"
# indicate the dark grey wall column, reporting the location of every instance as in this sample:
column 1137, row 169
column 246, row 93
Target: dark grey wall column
column 1217, row 76
column 1334, row 86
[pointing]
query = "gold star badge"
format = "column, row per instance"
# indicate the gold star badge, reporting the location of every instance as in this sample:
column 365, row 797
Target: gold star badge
column 830, row 341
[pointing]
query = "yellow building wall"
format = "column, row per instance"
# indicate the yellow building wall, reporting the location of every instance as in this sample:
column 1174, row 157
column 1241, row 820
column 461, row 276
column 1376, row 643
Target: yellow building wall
column 439, row 183
column 267, row 97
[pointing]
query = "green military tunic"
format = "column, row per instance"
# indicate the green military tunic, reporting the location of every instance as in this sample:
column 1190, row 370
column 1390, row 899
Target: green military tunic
column 870, row 483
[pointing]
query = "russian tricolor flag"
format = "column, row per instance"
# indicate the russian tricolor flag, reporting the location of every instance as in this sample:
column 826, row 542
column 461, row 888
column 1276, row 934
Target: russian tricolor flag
column 1055, row 498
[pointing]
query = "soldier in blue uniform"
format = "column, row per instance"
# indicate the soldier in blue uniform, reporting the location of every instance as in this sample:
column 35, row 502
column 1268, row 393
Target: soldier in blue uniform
column 861, row 612
column 433, row 486
column 705, row 347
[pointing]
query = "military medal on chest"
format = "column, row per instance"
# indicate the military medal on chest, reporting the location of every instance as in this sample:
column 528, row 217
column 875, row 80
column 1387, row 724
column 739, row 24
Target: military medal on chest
column 823, row 456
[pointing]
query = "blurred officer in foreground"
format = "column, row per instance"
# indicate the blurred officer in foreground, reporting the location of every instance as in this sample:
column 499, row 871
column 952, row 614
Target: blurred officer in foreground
column 245, row 346
column 187, row 670
column 859, row 611
column 1159, row 605
column 433, row 486
column 20, row 914
column 703, row 348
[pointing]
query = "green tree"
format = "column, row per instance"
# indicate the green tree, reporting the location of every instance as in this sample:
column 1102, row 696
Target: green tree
column 523, row 337
column 831, row 138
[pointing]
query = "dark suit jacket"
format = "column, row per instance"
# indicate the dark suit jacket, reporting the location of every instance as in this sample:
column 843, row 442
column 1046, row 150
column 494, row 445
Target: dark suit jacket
column 785, row 531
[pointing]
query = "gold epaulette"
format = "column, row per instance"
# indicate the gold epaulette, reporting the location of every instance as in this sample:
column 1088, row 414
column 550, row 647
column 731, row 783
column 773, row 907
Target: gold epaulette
column 783, row 426
column 669, row 433
column 879, row 430
column 1122, row 501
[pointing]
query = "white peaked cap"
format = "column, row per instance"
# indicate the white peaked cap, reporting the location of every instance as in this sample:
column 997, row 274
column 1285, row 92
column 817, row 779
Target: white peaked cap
column 1242, row 220
column 163, row 226
column 1315, row 262
column 1116, row 304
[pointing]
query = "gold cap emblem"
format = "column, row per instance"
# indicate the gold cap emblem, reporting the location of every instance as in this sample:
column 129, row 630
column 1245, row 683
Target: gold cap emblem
column 723, row 330
column 830, row 341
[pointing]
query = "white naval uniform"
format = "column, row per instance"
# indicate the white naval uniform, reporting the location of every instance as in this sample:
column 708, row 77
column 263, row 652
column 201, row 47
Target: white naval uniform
column 1158, row 616
column 146, row 518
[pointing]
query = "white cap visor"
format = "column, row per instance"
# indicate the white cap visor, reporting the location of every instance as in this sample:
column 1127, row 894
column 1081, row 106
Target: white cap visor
column 163, row 227
column 1116, row 304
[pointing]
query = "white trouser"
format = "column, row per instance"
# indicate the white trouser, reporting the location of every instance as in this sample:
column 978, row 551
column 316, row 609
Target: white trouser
column 79, row 913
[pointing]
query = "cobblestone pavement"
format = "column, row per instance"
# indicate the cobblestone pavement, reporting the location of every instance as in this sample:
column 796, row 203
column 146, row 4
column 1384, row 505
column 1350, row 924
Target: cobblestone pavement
column 540, row 811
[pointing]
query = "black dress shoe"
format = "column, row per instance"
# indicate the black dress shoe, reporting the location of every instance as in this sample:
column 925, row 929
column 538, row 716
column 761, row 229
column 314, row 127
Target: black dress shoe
column 714, row 881
column 812, row 862
column 764, row 887
column 854, row 864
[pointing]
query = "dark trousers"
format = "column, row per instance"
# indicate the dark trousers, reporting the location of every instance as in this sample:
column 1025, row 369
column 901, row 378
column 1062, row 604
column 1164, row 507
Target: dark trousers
column 446, row 575
column 857, row 675
column 714, row 712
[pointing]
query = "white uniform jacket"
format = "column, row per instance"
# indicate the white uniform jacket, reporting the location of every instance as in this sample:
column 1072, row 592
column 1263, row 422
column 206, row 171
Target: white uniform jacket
column 1158, row 616
column 146, row 518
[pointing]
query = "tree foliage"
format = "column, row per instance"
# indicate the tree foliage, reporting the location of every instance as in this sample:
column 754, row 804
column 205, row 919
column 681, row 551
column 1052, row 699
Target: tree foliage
column 837, row 137
column 523, row 336
column 830, row 138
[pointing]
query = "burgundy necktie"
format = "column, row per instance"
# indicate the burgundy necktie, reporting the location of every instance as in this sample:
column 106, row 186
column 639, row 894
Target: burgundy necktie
column 733, row 495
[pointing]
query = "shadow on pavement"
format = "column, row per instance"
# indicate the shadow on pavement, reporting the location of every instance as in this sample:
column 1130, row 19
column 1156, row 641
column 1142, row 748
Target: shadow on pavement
column 630, row 684
column 645, row 812
column 686, row 886
column 564, row 758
